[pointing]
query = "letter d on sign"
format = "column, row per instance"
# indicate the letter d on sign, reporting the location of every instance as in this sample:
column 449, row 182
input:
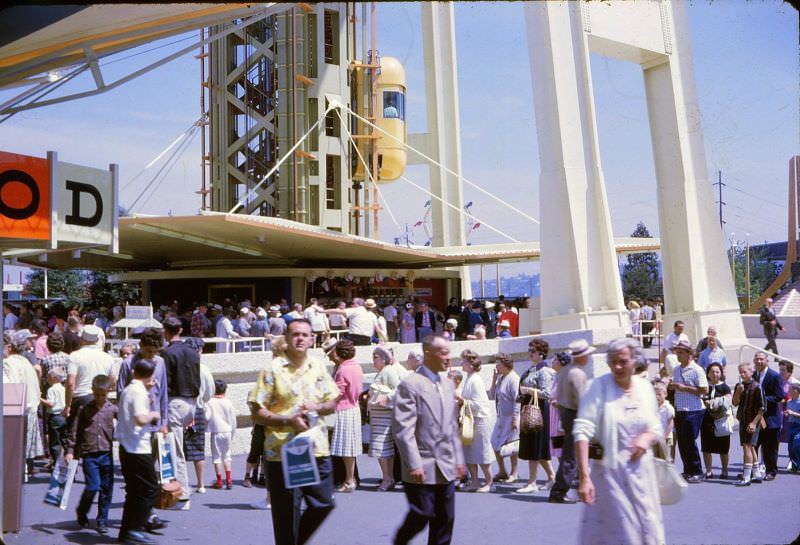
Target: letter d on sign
column 75, row 218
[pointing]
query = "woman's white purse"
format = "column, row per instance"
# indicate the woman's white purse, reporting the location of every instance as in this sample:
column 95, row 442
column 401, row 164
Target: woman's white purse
column 671, row 484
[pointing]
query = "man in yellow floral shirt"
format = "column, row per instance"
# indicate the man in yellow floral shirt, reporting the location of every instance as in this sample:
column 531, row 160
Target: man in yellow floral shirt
column 291, row 393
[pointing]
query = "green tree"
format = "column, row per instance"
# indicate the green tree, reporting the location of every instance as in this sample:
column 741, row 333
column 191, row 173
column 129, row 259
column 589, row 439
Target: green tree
column 70, row 286
column 640, row 277
column 762, row 274
column 103, row 292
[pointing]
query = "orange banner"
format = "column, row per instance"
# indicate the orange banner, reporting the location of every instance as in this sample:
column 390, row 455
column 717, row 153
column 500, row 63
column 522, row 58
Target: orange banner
column 24, row 197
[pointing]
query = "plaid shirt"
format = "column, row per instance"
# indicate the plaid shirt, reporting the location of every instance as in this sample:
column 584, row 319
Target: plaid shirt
column 691, row 375
column 199, row 324
column 59, row 360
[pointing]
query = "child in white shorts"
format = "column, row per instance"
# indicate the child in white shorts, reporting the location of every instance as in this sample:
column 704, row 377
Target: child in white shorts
column 222, row 425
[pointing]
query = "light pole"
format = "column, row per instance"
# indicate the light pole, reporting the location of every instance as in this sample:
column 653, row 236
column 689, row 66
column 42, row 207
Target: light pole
column 747, row 267
column 732, row 238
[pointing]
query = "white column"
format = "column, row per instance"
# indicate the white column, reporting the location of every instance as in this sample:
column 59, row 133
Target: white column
column 444, row 132
column 698, row 287
column 579, row 275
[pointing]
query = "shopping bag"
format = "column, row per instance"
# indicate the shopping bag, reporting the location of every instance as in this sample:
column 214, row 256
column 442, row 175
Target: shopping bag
column 61, row 483
column 298, row 462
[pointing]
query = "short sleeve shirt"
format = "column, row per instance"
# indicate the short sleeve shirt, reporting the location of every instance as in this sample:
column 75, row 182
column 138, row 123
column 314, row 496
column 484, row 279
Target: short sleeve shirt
column 691, row 375
column 133, row 402
column 85, row 364
column 282, row 388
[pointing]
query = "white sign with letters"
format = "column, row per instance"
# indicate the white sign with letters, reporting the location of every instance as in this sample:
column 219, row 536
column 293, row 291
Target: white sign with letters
column 134, row 312
column 86, row 204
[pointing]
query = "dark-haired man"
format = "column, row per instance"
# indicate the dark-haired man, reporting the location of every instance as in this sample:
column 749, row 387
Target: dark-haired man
column 182, row 364
column 136, row 453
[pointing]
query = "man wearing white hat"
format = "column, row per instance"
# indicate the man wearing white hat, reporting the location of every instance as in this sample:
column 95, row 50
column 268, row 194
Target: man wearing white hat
column 85, row 363
column 505, row 329
column 572, row 382
column 690, row 385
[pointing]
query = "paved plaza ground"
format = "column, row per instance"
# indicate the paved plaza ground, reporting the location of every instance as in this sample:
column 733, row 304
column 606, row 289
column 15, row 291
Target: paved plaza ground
column 712, row 512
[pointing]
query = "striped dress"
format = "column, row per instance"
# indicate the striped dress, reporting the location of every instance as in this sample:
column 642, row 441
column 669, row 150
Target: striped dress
column 381, row 441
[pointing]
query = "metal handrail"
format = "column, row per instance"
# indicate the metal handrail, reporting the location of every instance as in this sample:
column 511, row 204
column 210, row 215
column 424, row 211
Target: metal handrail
column 767, row 352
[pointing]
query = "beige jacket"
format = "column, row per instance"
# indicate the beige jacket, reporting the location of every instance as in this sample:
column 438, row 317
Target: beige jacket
column 425, row 426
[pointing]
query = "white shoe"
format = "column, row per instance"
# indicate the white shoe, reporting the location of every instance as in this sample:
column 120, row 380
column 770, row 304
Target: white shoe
column 182, row 505
column 548, row 485
column 200, row 490
column 527, row 489
column 263, row 504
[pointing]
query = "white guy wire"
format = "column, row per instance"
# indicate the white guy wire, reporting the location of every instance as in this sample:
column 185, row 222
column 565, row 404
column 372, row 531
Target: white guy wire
column 517, row 210
column 274, row 169
column 368, row 171
column 496, row 230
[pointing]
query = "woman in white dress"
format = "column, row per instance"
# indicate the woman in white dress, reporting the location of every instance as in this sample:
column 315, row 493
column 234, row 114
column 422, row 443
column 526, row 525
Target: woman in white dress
column 619, row 412
column 634, row 314
column 473, row 395
column 18, row 370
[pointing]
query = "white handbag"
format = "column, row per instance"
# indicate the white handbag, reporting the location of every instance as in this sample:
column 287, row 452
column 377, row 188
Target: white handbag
column 671, row 484
column 724, row 426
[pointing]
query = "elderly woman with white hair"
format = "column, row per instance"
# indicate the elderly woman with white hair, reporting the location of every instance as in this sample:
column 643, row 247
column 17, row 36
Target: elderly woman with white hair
column 413, row 360
column 619, row 415
column 18, row 370
column 380, row 405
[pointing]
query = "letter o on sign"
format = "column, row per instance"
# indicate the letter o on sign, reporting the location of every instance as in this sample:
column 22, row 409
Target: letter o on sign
column 17, row 176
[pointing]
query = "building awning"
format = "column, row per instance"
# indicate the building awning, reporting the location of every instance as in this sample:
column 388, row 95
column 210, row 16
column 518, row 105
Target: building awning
column 37, row 39
column 215, row 239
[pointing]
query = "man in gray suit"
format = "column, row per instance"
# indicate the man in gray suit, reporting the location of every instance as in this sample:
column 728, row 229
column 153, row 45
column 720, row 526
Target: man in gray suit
column 425, row 426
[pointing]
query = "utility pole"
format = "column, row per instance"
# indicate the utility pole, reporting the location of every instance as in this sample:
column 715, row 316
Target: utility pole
column 721, row 202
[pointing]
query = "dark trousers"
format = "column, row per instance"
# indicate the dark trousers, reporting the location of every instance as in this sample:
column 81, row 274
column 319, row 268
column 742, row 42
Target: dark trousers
column 687, row 428
column 647, row 340
column 770, row 333
column 98, row 469
column 289, row 525
column 141, row 490
column 568, row 468
column 56, row 434
column 768, row 443
column 360, row 340
column 432, row 505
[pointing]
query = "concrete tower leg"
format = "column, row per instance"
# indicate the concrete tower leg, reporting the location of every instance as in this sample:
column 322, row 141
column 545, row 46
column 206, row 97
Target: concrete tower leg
column 698, row 286
column 579, row 274
column 443, row 140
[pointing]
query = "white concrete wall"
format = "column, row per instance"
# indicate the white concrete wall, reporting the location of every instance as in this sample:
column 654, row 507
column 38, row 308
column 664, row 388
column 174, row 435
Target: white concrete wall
column 240, row 370
column 753, row 329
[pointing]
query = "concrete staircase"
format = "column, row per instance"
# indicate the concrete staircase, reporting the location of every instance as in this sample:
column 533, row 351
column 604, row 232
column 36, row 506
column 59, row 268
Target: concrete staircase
column 788, row 302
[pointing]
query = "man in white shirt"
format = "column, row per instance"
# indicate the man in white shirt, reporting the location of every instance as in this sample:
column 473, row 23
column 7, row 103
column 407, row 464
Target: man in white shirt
column 85, row 363
column 362, row 324
column 315, row 314
column 136, row 453
column 390, row 314
column 672, row 339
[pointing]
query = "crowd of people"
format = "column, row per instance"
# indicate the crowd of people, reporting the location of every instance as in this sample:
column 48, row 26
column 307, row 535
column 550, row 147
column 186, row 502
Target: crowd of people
column 430, row 419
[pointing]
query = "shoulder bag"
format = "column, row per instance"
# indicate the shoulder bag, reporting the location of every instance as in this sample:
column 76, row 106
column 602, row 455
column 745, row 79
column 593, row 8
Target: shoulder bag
column 467, row 425
column 530, row 417
column 380, row 396
column 671, row 485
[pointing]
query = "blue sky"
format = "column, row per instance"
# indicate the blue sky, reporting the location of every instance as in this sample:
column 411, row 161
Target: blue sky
column 746, row 70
